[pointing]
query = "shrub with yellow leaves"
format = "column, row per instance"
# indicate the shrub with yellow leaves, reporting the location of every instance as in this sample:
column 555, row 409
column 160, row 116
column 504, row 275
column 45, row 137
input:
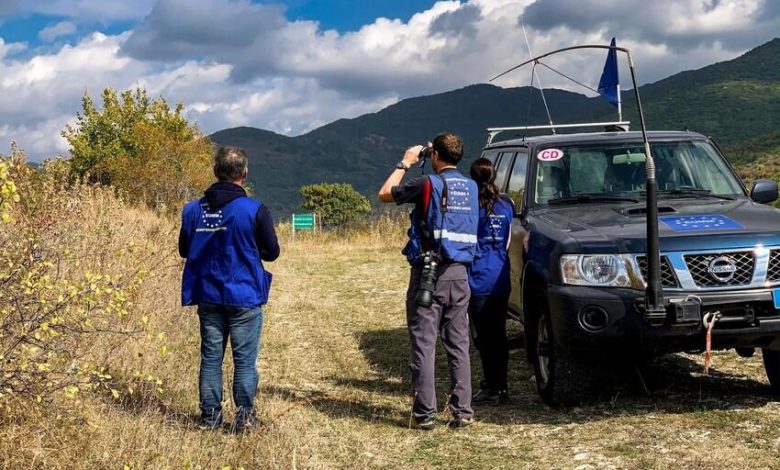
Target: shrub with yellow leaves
column 68, row 283
column 8, row 194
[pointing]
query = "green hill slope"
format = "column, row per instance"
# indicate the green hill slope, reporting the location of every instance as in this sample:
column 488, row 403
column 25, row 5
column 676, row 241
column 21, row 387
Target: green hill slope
column 362, row 151
column 737, row 102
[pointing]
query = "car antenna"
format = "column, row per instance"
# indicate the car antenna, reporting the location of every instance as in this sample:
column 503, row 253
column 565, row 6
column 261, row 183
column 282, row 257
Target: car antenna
column 536, row 76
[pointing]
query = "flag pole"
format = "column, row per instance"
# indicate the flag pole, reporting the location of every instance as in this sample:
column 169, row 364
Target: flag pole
column 619, row 103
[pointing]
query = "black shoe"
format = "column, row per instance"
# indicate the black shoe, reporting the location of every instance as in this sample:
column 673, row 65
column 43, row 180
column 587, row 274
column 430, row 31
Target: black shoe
column 246, row 421
column 460, row 423
column 427, row 423
column 490, row 397
column 210, row 420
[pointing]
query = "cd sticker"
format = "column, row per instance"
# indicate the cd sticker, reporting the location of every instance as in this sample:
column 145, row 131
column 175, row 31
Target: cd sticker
column 549, row 155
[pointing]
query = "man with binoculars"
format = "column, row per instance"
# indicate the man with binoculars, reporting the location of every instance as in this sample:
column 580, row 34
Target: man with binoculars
column 442, row 243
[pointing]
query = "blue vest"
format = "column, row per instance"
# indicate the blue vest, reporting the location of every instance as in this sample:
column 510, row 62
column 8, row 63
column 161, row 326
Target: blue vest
column 450, row 222
column 489, row 273
column 223, row 264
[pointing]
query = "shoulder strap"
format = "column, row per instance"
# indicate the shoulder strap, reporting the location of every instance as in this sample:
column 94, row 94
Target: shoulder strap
column 426, row 197
column 443, row 202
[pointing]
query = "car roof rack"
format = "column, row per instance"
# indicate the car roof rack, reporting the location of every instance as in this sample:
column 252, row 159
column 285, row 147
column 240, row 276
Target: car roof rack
column 494, row 131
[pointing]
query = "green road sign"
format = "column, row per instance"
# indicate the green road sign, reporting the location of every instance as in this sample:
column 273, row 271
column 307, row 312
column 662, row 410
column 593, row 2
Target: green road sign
column 303, row 222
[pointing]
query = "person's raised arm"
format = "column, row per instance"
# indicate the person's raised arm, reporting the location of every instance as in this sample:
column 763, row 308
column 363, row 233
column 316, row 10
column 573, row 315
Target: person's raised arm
column 411, row 157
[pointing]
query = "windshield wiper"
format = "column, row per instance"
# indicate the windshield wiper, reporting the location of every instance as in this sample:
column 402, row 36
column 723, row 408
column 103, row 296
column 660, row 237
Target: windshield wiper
column 591, row 198
column 695, row 192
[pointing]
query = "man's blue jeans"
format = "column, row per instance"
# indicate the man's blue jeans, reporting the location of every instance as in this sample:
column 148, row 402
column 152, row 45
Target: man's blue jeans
column 243, row 327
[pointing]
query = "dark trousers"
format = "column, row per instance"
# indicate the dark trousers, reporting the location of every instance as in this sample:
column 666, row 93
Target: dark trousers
column 488, row 328
column 448, row 316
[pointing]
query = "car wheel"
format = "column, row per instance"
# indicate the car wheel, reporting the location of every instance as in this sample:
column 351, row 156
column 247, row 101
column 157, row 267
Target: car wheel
column 560, row 379
column 772, row 368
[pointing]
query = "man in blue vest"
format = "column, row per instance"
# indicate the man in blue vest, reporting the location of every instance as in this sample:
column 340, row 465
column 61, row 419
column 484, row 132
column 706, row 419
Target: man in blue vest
column 443, row 227
column 225, row 237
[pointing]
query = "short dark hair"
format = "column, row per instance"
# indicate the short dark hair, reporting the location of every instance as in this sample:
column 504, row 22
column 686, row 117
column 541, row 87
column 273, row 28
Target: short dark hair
column 449, row 147
column 230, row 163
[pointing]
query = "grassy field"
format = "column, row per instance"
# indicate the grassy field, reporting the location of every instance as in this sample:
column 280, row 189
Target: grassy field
column 335, row 392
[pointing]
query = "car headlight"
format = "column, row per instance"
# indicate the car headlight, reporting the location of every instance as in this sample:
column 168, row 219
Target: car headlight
column 600, row 271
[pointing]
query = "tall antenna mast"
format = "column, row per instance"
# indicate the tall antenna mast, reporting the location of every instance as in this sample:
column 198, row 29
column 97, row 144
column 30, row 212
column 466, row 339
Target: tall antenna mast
column 534, row 75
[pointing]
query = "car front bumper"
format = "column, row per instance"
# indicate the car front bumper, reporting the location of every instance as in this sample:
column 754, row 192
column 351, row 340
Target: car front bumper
column 748, row 320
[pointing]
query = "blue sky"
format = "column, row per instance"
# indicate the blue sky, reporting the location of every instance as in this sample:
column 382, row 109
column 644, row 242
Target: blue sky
column 350, row 15
column 294, row 65
column 341, row 15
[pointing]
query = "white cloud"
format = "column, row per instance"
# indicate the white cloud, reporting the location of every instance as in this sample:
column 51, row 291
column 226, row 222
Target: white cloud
column 80, row 11
column 63, row 28
column 9, row 49
column 234, row 63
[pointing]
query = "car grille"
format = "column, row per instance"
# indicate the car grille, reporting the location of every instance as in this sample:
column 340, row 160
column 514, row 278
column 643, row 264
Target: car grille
column 773, row 274
column 668, row 279
column 698, row 265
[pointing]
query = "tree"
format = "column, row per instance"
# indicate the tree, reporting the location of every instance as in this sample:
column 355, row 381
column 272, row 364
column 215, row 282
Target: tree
column 334, row 203
column 142, row 147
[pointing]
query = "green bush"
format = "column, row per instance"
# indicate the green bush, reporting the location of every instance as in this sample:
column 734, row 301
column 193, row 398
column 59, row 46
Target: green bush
column 142, row 147
column 334, row 203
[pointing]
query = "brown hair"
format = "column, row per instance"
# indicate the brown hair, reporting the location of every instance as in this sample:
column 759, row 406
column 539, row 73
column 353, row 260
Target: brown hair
column 449, row 147
column 230, row 163
column 484, row 174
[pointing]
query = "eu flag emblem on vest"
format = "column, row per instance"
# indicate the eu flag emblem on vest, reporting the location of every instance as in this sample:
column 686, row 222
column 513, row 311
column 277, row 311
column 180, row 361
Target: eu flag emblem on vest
column 459, row 196
column 210, row 219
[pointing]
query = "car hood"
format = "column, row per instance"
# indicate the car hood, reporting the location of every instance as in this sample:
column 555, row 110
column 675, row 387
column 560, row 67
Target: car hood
column 685, row 224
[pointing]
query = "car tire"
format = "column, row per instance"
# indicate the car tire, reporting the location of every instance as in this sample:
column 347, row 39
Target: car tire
column 561, row 380
column 772, row 368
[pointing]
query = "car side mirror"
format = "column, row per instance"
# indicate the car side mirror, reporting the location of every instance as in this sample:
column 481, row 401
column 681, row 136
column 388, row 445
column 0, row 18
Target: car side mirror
column 764, row 191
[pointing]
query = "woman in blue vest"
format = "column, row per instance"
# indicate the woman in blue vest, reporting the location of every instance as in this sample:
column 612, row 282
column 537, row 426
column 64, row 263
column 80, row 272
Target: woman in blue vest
column 490, row 285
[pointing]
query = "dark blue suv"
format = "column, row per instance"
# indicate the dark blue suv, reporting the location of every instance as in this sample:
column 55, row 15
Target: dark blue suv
column 578, row 253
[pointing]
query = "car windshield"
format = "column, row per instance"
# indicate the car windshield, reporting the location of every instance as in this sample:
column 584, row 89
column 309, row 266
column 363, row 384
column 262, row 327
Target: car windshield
column 616, row 172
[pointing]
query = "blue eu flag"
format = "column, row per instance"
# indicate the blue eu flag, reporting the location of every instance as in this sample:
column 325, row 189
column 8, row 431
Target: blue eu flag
column 609, row 84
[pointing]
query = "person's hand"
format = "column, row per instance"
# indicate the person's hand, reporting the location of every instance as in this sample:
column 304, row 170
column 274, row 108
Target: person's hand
column 412, row 155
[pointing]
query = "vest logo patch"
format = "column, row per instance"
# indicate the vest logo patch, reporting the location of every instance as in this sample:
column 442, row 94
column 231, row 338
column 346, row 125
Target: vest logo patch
column 212, row 220
column 459, row 196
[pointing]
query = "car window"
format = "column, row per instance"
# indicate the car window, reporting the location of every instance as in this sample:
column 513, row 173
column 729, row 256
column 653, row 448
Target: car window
column 502, row 169
column 618, row 170
column 517, row 179
column 490, row 155
column 552, row 181
column 707, row 169
column 591, row 166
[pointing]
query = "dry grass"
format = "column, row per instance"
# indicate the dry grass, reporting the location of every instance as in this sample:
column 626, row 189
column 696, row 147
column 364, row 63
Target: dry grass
column 334, row 389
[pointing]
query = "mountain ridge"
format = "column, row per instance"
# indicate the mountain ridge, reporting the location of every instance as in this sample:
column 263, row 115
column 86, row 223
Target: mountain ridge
column 736, row 101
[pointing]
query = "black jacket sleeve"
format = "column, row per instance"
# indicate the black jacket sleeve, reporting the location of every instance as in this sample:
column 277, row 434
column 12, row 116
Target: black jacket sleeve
column 411, row 192
column 265, row 235
column 184, row 246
